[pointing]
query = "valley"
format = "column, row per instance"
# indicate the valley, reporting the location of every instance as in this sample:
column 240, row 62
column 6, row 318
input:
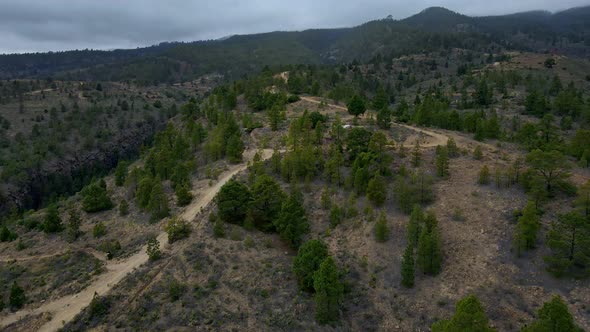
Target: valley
column 424, row 174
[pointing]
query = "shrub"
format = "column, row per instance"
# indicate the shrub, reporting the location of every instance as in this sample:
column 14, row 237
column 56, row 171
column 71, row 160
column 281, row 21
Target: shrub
column 99, row 230
column 175, row 289
column 110, row 247
column 123, row 208
column 6, row 235
column 52, row 222
column 381, row 229
column 17, row 296
column 177, row 229
column 99, row 306
column 95, row 198
column 153, row 249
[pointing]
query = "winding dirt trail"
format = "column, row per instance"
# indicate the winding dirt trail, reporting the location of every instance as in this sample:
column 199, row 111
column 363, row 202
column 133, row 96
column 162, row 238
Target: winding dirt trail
column 434, row 140
column 66, row 308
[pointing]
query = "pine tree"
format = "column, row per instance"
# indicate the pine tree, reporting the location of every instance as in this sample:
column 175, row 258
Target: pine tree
column 267, row 199
column 384, row 117
column 329, row 292
column 553, row 316
column 408, row 268
column 416, row 155
column 525, row 235
column 17, row 297
column 183, row 195
column 309, row 257
column 233, row 201
column 381, row 229
column 452, row 148
column 415, row 225
column 158, row 203
column 143, row 192
column 552, row 166
column 484, row 175
column 377, row 190
column 429, row 250
column 583, row 200
column 95, row 198
column 121, row 173
column 292, row 223
column 477, row 153
column 123, row 208
column 569, row 241
column 218, row 229
column 442, row 162
column 356, row 106
column 52, row 222
column 469, row 317
column 235, row 148
column 73, row 225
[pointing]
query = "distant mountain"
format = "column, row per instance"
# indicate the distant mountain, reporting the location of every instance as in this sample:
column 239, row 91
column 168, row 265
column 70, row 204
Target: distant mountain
column 434, row 28
column 437, row 19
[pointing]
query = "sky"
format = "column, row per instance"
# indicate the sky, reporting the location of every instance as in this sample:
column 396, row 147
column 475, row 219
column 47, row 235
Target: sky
column 56, row 25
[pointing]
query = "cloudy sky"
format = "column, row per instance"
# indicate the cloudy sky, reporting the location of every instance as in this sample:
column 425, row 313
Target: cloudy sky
column 43, row 25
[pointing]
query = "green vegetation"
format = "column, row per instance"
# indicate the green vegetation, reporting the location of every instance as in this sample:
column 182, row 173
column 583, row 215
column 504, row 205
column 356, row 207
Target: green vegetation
column 17, row 297
column 469, row 316
column 153, row 249
column 525, row 235
column 429, row 247
column 568, row 240
column 553, row 316
column 329, row 292
column 95, row 197
column 381, row 229
column 177, row 229
column 408, row 268
column 233, row 201
column 291, row 223
column 308, row 260
column 52, row 222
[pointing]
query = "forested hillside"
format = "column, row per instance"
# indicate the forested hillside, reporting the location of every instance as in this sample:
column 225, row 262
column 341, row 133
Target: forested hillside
column 566, row 32
column 428, row 174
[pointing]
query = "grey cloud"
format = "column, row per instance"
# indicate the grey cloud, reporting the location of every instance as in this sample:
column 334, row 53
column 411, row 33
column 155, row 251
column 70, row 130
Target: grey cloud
column 42, row 25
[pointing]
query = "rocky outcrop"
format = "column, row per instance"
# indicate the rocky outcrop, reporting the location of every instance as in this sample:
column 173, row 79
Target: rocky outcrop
column 60, row 177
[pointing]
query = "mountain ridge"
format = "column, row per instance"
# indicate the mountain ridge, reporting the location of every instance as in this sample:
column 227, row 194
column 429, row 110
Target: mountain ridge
column 567, row 31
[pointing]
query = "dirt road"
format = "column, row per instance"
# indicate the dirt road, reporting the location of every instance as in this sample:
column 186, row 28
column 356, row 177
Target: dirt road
column 434, row 139
column 66, row 308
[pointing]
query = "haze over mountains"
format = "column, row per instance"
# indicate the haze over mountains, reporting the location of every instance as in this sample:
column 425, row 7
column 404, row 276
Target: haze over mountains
column 566, row 32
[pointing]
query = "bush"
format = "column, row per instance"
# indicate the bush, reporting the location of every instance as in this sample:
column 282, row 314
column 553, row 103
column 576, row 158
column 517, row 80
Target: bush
column 52, row 222
column 123, row 208
column 177, row 229
column 6, row 235
column 95, row 198
column 110, row 247
column 218, row 230
column 17, row 296
column 381, row 229
column 175, row 289
column 99, row 230
column 469, row 316
column 484, row 175
column 153, row 249
column 183, row 195
column 99, row 306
